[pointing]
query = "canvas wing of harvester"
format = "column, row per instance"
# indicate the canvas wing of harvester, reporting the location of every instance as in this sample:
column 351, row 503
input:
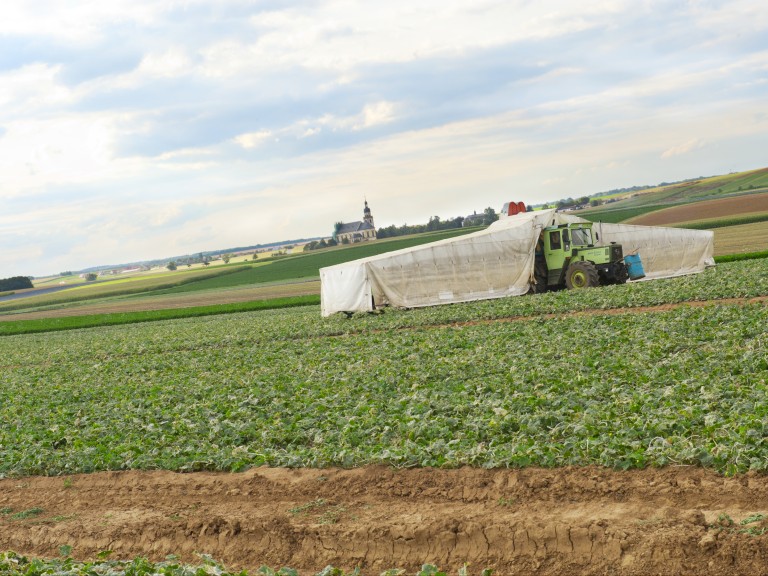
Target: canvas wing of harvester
column 493, row 263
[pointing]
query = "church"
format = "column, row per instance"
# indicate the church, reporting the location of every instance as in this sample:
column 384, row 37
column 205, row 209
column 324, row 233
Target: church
column 351, row 232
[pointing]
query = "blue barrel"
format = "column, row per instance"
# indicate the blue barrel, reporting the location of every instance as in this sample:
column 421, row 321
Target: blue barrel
column 634, row 266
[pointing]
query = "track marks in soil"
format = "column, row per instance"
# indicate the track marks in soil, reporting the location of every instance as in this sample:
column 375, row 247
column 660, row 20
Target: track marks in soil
column 570, row 520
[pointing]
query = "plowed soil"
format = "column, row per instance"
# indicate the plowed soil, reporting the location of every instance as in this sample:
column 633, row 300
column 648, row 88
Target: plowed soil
column 677, row 520
column 705, row 210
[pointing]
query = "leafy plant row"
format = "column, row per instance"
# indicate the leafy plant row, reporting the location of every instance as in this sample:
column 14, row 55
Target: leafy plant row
column 406, row 388
column 12, row 564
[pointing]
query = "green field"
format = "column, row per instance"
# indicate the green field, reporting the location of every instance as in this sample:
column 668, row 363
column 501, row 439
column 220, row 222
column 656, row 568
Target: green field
column 54, row 324
column 308, row 265
column 406, row 388
column 272, row 270
column 118, row 287
column 616, row 215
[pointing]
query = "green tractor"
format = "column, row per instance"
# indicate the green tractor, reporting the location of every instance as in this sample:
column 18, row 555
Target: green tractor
column 566, row 256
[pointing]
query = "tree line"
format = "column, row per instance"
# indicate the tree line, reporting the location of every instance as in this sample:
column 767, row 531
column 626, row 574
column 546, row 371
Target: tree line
column 485, row 218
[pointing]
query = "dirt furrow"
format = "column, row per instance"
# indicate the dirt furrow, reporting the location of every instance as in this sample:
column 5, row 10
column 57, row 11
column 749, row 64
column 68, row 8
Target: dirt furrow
column 570, row 520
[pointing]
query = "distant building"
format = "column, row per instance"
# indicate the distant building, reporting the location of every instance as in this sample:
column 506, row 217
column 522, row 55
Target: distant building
column 473, row 219
column 351, row 232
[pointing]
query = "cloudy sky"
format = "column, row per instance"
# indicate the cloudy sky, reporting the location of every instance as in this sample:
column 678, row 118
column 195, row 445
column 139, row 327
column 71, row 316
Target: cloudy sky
column 142, row 129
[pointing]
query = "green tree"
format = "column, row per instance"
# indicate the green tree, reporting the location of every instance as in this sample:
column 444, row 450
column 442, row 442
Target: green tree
column 171, row 265
column 489, row 216
column 90, row 277
column 226, row 258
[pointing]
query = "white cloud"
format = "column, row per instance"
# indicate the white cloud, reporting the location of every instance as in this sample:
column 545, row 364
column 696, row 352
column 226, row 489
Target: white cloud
column 253, row 139
column 377, row 114
column 203, row 132
column 685, row 148
column 372, row 115
column 32, row 87
column 79, row 22
column 37, row 153
column 172, row 63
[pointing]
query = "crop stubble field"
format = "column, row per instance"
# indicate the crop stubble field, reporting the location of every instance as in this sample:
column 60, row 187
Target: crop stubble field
column 566, row 384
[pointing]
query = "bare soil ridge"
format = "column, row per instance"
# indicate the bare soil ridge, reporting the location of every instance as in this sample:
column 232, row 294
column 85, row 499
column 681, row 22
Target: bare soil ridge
column 676, row 520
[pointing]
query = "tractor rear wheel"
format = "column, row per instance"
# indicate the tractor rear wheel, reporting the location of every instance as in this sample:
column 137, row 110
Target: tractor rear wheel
column 581, row 274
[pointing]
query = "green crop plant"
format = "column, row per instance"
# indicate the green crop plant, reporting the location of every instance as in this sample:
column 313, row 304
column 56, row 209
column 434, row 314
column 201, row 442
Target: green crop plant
column 443, row 386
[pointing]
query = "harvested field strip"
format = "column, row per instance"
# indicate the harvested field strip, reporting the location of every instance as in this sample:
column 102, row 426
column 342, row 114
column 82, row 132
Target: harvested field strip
column 229, row 393
column 747, row 238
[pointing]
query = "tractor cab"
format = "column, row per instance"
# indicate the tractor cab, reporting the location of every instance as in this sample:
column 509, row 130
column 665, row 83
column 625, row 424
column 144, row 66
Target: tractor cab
column 566, row 256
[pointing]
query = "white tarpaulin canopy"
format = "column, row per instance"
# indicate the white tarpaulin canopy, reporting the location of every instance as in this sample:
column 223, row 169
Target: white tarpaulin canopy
column 493, row 263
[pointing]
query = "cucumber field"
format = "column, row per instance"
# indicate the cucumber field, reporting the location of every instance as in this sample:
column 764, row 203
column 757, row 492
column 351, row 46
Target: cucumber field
column 541, row 421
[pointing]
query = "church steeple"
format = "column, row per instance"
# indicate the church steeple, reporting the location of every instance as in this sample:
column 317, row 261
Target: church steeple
column 367, row 214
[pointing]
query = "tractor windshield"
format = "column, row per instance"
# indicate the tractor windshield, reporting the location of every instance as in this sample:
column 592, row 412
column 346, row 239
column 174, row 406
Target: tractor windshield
column 581, row 236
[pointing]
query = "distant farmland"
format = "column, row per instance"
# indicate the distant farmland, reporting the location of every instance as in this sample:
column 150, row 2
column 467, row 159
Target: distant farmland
column 708, row 209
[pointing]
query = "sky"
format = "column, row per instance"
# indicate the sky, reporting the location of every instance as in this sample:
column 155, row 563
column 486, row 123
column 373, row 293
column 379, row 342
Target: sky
column 144, row 129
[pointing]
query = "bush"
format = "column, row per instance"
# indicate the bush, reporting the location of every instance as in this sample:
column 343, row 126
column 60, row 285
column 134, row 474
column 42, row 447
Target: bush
column 15, row 283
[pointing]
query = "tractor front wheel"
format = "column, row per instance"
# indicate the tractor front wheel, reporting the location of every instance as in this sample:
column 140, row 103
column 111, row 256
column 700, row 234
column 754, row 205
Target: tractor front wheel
column 581, row 274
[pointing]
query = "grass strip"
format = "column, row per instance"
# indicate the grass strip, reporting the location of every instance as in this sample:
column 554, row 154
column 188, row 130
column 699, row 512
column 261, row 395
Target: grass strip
column 93, row 320
column 739, row 257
